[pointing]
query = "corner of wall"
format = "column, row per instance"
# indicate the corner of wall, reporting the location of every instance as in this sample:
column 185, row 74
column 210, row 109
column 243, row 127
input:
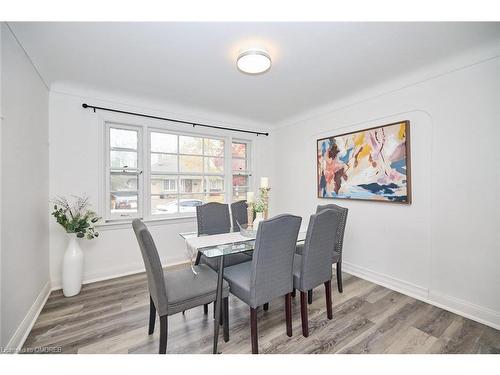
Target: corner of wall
column 19, row 337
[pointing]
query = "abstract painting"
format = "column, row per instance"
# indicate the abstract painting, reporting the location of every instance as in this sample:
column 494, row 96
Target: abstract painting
column 371, row 164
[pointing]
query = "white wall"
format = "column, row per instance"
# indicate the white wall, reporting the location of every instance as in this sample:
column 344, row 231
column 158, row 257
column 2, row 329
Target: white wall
column 445, row 246
column 76, row 167
column 24, row 192
column 1, row 126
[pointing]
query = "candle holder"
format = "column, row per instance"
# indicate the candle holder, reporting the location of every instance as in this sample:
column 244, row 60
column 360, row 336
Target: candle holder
column 249, row 215
column 264, row 196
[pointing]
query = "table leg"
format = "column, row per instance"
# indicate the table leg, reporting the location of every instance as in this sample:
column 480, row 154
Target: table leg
column 218, row 304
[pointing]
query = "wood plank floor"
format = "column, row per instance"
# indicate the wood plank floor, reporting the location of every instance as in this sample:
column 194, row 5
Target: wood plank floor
column 112, row 317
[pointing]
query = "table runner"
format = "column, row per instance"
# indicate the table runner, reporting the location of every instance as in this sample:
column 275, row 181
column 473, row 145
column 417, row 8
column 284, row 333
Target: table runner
column 195, row 243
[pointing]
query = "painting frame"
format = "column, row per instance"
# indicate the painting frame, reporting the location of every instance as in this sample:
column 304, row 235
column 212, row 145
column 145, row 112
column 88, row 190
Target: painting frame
column 409, row 196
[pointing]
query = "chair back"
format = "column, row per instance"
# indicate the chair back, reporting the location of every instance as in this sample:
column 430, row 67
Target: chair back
column 272, row 264
column 322, row 233
column 239, row 213
column 339, row 243
column 154, row 270
column 213, row 218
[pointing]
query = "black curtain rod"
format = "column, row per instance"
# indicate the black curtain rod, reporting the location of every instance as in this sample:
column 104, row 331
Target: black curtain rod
column 85, row 105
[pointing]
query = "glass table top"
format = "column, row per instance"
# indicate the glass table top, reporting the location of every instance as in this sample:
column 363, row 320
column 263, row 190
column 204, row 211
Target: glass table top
column 231, row 247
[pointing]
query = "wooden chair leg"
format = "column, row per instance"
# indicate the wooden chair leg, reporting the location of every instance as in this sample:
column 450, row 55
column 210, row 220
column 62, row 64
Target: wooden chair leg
column 339, row 277
column 303, row 314
column 309, row 296
column 288, row 313
column 221, row 320
column 253, row 331
column 328, row 292
column 293, row 293
column 205, row 309
column 163, row 334
column 152, row 316
column 225, row 317
column 198, row 258
column 266, row 306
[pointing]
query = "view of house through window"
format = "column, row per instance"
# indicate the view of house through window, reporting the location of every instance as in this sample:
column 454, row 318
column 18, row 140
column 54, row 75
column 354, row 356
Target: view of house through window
column 183, row 171
column 186, row 171
column 124, row 172
column 240, row 170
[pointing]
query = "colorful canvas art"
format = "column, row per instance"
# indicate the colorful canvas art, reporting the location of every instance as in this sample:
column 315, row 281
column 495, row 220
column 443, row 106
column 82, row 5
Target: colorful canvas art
column 371, row 164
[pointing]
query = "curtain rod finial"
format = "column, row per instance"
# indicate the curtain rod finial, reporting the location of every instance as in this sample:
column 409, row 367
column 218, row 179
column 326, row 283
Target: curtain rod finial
column 84, row 105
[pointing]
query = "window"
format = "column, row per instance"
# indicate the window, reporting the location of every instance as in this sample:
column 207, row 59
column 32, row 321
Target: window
column 154, row 173
column 123, row 172
column 240, row 170
column 170, row 185
column 191, row 167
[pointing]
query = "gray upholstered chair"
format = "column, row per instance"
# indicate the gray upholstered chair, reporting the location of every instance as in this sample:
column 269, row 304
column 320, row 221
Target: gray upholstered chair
column 337, row 250
column 339, row 243
column 175, row 291
column 239, row 213
column 310, row 269
column 269, row 274
column 213, row 218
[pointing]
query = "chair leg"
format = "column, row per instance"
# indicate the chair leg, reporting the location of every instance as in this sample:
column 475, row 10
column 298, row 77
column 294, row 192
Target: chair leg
column 163, row 334
column 328, row 292
column 339, row 277
column 266, row 306
column 225, row 316
column 288, row 314
column 253, row 330
column 293, row 293
column 303, row 313
column 221, row 320
column 310, row 296
column 152, row 316
column 205, row 309
column 198, row 257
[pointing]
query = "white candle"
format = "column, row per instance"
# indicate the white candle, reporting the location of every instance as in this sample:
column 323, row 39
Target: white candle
column 250, row 196
column 264, row 182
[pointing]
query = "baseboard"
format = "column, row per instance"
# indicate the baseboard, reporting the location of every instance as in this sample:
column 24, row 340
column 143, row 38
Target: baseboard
column 467, row 309
column 387, row 281
column 455, row 305
column 114, row 273
column 17, row 340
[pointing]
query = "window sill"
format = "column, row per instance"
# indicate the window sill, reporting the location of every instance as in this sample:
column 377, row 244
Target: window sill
column 122, row 224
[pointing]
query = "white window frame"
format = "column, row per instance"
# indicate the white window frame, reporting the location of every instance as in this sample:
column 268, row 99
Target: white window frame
column 248, row 158
column 144, row 130
column 107, row 168
column 203, row 174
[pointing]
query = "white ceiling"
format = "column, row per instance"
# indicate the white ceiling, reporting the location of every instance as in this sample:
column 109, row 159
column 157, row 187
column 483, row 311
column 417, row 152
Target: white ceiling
column 194, row 63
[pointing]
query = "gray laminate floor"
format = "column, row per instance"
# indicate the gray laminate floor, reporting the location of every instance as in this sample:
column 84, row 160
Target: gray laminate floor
column 112, row 317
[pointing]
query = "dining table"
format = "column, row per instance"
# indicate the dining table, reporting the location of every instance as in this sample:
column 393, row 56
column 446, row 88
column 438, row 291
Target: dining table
column 219, row 246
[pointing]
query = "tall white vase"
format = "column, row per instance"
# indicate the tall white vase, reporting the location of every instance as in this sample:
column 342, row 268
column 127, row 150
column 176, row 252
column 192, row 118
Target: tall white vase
column 72, row 272
column 259, row 216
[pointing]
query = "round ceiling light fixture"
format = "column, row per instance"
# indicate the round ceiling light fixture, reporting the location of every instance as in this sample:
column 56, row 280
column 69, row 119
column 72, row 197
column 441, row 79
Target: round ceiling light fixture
column 254, row 61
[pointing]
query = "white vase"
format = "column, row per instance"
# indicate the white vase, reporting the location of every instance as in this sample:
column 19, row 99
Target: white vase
column 259, row 216
column 72, row 272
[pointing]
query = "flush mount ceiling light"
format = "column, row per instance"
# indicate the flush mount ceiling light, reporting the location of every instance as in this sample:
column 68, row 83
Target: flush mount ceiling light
column 254, row 61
